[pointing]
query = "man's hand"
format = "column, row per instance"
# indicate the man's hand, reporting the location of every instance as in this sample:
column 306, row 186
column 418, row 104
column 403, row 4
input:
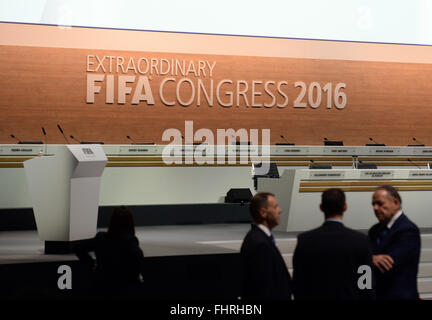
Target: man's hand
column 383, row 262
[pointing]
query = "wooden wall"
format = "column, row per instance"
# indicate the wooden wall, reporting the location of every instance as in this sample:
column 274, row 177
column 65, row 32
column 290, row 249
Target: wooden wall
column 43, row 87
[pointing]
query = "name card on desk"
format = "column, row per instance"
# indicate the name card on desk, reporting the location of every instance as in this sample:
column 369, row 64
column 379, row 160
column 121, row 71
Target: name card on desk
column 340, row 150
column 328, row 174
column 384, row 151
column 422, row 151
column 420, row 174
column 20, row 150
column 376, row 174
column 137, row 150
column 294, row 150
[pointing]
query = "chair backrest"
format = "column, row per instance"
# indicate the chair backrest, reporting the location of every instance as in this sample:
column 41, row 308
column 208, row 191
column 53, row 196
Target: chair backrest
column 365, row 165
column 320, row 166
column 333, row 143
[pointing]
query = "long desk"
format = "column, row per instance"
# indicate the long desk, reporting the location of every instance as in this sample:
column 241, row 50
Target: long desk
column 137, row 174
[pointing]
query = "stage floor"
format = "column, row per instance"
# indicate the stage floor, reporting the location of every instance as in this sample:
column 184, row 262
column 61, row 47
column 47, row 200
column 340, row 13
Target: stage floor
column 22, row 247
column 155, row 241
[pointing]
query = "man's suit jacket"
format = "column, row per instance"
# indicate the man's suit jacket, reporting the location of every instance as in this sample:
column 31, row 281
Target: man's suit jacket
column 402, row 243
column 326, row 262
column 265, row 275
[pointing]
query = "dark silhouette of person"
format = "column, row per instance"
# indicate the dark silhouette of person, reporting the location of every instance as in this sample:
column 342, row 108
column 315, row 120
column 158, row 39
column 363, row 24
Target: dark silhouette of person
column 119, row 265
column 327, row 259
column 265, row 275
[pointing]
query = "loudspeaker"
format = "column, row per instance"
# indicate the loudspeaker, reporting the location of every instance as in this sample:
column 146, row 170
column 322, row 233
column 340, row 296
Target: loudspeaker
column 238, row 195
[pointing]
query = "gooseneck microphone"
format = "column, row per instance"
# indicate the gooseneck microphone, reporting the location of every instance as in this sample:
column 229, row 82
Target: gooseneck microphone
column 12, row 136
column 45, row 135
column 72, row 137
column 371, row 139
column 61, row 130
column 420, row 144
column 25, row 142
column 133, row 141
column 418, row 167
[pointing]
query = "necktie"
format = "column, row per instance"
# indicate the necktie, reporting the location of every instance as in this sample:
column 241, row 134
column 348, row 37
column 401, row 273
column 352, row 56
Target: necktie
column 382, row 234
column 272, row 239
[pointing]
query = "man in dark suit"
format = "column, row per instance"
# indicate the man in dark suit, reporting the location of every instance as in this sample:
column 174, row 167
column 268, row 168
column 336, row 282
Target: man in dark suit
column 265, row 275
column 327, row 259
column 396, row 247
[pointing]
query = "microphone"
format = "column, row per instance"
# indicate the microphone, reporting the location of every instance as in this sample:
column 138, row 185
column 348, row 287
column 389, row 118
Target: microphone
column 86, row 142
column 61, row 130
column 12, row 136
column 287, row 142
column 375, row 144
column 419, row 144
column 183, row 138
column 72, row 137
column 45, row 135
column 311, row 164
column 25, row 142
column 325, row 139
column 418, row 167
column 133, row 141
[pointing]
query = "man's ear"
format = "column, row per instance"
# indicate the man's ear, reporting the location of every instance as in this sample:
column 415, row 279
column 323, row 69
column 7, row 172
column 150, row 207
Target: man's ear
column 320, row 206
column 397, row 202
column 345, row 207
column 263, row 213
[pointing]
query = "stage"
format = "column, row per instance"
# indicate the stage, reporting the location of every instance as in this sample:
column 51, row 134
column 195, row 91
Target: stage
column 183, row 261
column 156, row 241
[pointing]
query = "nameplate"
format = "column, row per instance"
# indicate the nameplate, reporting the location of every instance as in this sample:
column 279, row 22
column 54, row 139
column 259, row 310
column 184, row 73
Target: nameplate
column 137, row 150
column 295, row 150
column 328, row 174
column 420, row 174
column 20, row 150
column 384, row 151
column 422, row 151
column 342, row 150
column 376, row 174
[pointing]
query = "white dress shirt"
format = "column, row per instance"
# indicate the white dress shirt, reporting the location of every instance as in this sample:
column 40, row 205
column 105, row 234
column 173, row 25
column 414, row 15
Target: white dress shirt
column 265, row 229
column 393, row 219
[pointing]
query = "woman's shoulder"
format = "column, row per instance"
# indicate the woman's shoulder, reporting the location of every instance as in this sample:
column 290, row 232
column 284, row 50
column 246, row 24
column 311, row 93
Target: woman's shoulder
column 101, row 235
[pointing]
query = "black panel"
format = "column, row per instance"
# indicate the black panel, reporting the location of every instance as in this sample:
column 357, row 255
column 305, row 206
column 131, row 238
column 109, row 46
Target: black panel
column 151, row 215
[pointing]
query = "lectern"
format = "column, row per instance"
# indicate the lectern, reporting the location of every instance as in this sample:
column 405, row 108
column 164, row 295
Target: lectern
column 64, row 191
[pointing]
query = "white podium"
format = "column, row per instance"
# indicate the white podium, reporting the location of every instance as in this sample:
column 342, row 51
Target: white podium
column 298, row 192
column 64, row 191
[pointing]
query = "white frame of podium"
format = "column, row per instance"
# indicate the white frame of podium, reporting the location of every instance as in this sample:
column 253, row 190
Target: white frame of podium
column 64, row 190
column 301, row 209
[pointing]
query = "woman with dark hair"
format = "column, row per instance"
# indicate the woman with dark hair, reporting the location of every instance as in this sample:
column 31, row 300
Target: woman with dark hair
column 119, row 259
